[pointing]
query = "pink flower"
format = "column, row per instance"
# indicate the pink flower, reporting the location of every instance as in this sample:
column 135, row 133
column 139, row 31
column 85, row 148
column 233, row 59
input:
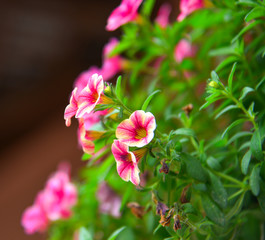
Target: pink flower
column 188, row 6
column 110, row 202
column 163, row 15
column 111, row 65
column 59, row 196
column 124, row 13
column 184, row 50
column 34, row 219
column 90, row 95
column 138, row 130
column 71, row 108
column 93, row 118
column 126, row 162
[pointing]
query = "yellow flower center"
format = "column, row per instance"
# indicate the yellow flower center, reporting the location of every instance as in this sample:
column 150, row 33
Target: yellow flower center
column 140, row 133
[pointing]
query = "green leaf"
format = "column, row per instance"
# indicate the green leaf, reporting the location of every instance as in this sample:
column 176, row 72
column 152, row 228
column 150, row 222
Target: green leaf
column 212, row 210
column 215, row 77
column 256, row 146
column 194, row 168
column 118, row 88
column 230, row 50
column 147, row 7
column 255, row 13
column 228, row 108
column 233, row 124
column 226, row 62
column 218, row 193
column 245, row 162
column 236, row 208
column 245, row 29
column 249, row 3
column 260, row 83
column 213, row 163
column 148, row 99
column 127, row 194
column 244, row 145
column 254, row 180
column 157, row 228
column 261, row 197
column 115, row 234
column 184, row 131
column 238, row 135
column 245, row 91
column 86, row 156
column 231, row 76
column 84, row 234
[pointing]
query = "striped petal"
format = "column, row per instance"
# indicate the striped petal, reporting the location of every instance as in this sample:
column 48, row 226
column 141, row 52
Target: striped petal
column 71, row 108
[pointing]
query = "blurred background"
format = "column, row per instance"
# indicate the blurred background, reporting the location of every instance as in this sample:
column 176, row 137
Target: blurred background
column 44, row 45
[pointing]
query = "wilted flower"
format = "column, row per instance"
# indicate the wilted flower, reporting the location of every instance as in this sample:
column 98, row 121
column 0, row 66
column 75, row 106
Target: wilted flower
column 164, row 168
column 124, row 13
column 162, row 18
column 90, row 95
column 138, row 130
column 136, row 209
column 187, row 7
column 126, row 162
column 161, row 208
column 184, row 50
column 110, row 202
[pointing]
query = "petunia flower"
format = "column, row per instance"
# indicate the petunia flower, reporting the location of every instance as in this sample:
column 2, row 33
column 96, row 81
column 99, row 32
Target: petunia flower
column 187, row 7
column 162, row 18
column 110, row 202
column 124, row 13
column 90, row 95
column 111, row 65
column 127, row 167
column 138, row 130
column 71, row 108
column 183, row 50
column 34, row 219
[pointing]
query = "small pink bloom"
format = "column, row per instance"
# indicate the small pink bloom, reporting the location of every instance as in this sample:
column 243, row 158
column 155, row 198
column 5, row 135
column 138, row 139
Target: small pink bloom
column 126, row 162
column 111, row 65
column 163, row 15
column 90, row 95
column 59, row 196
column 93, row 118
column 189, row 6
column 71, row 108
column 138, row 130
column 124, row 13
column 110, row 202
column 34, row 219
column 184, row 50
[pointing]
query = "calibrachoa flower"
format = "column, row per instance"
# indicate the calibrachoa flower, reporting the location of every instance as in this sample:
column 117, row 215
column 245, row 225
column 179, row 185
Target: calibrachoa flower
column 71, row 108
column 126, row 161
column 138, row 130
column 124, row 13
column 110, row 202
column 188, row 6
column 184, row 50
column 163, row 15
column 90, row 95
column 111, row 65
column 53, row 203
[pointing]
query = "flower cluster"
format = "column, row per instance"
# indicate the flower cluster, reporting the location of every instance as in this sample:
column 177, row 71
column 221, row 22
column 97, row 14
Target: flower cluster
column 54, row 202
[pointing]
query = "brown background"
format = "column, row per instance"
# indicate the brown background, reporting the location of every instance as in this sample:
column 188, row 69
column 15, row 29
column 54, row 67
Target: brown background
column 44, row 45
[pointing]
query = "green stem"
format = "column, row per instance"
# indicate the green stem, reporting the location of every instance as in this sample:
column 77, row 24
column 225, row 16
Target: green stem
column 236, row 194
column 229, row 178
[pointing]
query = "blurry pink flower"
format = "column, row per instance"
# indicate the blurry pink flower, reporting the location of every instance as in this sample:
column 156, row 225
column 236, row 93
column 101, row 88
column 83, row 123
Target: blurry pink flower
column 124, row 13
column 59, row 196
column 184, row 50
column 188, row 6
column 110, row 202
column 126, row 162
column 163, row 15
column 111, row 65
column 138, row 130
column 93, row 118
column 90, row 95
column 34, row 219
column 71, row 108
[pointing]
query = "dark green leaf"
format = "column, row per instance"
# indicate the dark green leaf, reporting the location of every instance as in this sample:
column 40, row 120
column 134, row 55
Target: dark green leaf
column 115, row 234
column 194, row 167
column 212, row 210
column 233, row 124
column 245, row 162
column 213, row 163
column 231, row 76
column 147, row 7
column 184, row 131
column 261, row 197
column 238, row 135
column 248, row 3
column 236, row 208
column 218, row 193
column 254, row 180
column 255, row 13
column 245, row 91
column 256, row 146
column 148, row 99
column 228, row 108
column 226, row 62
